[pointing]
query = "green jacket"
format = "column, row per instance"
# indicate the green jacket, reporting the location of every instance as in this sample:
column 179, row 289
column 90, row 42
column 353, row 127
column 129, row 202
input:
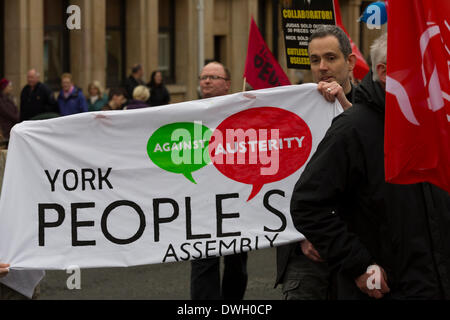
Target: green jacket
column 97, row 106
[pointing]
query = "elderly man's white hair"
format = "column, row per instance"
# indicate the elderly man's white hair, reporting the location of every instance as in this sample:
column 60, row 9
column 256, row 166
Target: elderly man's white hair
column 36, row 73
column 378, row 54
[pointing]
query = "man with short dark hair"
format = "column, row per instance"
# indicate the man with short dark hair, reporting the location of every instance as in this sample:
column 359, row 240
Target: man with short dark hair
column 332, row 63
column 301, row 270
column 134, row 80
column 205, row 274
column 116, row 99
column 36, row 98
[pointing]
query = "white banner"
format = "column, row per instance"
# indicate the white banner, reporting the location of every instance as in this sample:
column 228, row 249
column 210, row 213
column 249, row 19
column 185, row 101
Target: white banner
column 186, row 181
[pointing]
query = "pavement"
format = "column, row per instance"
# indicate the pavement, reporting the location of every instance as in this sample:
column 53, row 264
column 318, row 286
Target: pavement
column 169, row 281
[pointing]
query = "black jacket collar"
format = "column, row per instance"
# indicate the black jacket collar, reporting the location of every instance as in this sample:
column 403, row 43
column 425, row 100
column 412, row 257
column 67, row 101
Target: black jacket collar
column 371, row 93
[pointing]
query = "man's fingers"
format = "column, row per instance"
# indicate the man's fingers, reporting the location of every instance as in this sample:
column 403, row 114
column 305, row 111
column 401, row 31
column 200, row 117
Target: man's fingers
column 320, row 85
column 384, row 274
column 384, row 287
column 329, row 93
column 330, row 98
column 383, row 283
column 314, row 256
column 329, row 90
column 4, row 269
column 377, row 294
column 374, row 293
column 310, row 254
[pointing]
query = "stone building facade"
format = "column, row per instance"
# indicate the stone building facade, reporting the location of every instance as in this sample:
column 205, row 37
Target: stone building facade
column 159, row 34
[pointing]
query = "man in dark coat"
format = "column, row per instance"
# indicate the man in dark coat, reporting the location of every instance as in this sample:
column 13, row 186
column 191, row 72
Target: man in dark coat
column 205, row 274
column 134, row 80
column 36, row 98
column 302, row 272
column 379, row 239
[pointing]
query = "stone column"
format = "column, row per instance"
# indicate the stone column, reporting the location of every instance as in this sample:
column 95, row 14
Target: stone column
column 241, row 10
column 87, row 46
column 352, row 17
column 151, row 38
column 186, row 39
column 142, row 35
column 220, row 18
column 24, row 38
column 209, row 31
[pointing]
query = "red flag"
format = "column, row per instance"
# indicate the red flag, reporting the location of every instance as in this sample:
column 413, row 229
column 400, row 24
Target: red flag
column 261, row 68
column 361, row 67
column 417, row 132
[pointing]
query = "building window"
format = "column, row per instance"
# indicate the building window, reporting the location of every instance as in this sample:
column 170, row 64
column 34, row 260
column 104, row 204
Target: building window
column 220, row 49
column 164, row 52
column 2, row 38
column 56, row 42
column 262, row 16
column 115, row 42
column 166, row 40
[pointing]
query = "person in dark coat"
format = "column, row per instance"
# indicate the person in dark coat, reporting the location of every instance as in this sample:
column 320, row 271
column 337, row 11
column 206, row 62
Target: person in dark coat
column 140, row 96
column 134, row 80
column 159, row 95
column 380, row 240
column 304, row 275
column 36, row 98
column 206, row 283
column 71, row 100
column 9, row 115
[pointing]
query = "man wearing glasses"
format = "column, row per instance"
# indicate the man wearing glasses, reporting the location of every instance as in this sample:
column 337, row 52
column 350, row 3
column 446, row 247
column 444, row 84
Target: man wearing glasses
column 214, row 80
column 205, row 274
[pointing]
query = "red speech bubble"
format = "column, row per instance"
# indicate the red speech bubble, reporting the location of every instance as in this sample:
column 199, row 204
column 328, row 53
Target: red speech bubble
column 260, row 145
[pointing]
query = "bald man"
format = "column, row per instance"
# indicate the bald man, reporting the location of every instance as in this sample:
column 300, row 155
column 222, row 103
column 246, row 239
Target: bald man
column 36, row 98
column 205, row 274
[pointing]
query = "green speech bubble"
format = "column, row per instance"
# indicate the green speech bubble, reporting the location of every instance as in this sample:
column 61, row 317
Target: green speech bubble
column 180, row 147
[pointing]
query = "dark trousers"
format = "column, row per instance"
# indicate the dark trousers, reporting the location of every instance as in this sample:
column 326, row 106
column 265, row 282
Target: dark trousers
column 6, row 293
column 305, row 279
column 205, row 278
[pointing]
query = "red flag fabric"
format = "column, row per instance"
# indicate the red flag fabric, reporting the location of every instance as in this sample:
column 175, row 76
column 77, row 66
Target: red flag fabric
column 417, row 132
column 261, row 68
column 361, row 67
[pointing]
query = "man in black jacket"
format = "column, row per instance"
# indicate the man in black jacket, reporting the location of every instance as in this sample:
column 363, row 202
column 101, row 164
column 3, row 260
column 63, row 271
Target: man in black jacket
column 301, row 270
column 36, row 98
column 134, row 80
column 379, row 239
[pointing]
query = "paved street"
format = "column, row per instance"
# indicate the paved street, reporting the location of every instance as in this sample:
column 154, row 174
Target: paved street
column 163, row 281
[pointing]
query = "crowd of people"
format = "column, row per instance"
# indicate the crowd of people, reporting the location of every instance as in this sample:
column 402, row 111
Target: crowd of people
column 38, row 101
column 354, row 222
